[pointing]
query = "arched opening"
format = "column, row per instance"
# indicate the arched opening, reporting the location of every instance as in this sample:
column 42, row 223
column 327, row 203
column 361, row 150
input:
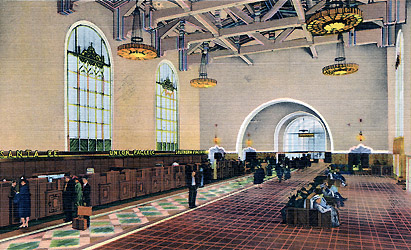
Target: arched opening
column 266, row 126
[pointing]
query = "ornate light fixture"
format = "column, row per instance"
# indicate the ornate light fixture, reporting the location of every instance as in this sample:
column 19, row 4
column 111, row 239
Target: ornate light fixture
column 203, row 81
column 360, row 137
column 340, row 67
column 334, row 19
column 249, row 142
column 216, row 140
column 136, row 50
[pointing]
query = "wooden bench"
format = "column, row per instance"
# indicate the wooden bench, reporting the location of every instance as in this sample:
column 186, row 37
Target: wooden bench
column 308, row 217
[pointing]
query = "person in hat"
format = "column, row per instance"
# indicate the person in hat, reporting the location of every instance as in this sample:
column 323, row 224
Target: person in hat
column 68, row 197
column 86, row 196
column 78, row 194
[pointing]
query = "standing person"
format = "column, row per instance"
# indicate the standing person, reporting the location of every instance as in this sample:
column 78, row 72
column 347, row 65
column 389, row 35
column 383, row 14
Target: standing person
column 78, row 195
column 13, row 207
column 259, row 176
column 279, row 171
column 68, row 197
column 287, row 173
column 24, row 203
column 86, row 197
column 193, row 181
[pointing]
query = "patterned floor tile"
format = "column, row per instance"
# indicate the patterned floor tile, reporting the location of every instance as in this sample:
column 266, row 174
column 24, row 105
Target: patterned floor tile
column 24, row 245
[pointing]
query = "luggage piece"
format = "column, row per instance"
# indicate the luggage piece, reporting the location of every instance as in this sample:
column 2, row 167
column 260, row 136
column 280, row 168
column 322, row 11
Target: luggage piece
column 79, row 223
column 84, row 211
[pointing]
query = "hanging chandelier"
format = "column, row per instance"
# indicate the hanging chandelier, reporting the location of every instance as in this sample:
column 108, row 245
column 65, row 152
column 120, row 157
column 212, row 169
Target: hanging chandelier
column 203, row 81
column 137, row 50
column 336, row 18
column 340, row 67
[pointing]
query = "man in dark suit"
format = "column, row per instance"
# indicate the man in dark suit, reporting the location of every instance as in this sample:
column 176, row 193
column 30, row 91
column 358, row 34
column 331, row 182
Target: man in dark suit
column 68, row 197
column 86, row 196
column 193, row 182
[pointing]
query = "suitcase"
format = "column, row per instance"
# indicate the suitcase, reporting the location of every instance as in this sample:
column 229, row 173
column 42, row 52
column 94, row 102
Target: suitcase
column 79, row 223
column 84, row 211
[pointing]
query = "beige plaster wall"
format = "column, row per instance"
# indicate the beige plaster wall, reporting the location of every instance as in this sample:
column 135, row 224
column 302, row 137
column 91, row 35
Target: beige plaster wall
column 293, row 74
column 406, row 29
column 32, row 38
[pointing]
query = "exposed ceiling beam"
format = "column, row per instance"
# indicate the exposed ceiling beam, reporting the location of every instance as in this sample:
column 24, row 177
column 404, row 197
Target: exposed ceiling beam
column 260, row 38
column 299, row 9
column 273, row 10
column 231, row 14
column 289, row 22
column 316, row 7
column 250, row 9
column 260, row 27
column 374, row 11
column 185, row 5
column 301, row 17
column 197, row 8
column 233, row 47
column 371, row 12
column 313, row 50
column 242, row 15
column 207, row 23
column 281, row 37
column 297, row 43
column 168, row 28
column 193, row 47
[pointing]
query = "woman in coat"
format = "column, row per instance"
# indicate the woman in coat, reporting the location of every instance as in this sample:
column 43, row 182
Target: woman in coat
column 259, row 176
column 24, row 203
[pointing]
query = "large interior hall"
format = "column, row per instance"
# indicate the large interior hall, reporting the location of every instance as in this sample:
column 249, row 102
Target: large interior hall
column 205, row 124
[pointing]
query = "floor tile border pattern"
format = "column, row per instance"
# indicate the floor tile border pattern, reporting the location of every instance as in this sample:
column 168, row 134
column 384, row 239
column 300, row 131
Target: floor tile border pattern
column 47, row 232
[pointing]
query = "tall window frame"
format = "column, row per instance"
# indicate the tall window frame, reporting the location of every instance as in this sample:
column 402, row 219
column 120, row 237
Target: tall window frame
column 167, row 124
column 293, row 142
column 399, row 85
column 88, row 89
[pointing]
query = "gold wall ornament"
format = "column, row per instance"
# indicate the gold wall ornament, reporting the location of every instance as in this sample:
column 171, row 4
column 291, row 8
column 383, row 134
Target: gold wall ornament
column 334, row 20
column 340, row 69
column 360, row 137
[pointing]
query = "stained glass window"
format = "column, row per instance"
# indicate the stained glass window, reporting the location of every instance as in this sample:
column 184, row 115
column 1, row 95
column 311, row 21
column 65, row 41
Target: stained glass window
column 305, row 134
column 89, row 86
column 399, row 86
column 166, row 108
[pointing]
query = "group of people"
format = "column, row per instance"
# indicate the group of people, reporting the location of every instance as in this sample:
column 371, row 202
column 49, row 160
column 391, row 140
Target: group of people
column 21, row 201
column 281, row 171
column 76, row 192
column 334, row 174
column 322, row 194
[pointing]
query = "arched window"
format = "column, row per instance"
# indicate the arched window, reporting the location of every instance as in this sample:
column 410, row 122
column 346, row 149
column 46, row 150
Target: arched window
column 305, row 134
column 399, row 86
column 166, row 108
column 89, row 86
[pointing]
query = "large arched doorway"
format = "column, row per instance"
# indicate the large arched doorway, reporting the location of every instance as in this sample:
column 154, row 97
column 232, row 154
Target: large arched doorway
column 269, row 126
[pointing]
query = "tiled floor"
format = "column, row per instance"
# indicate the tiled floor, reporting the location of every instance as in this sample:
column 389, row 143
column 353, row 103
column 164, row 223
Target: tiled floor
column 106, row 226
column 377, row 215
